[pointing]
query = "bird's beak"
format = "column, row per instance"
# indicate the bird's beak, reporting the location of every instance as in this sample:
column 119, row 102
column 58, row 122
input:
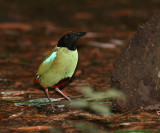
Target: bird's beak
column 81, row 34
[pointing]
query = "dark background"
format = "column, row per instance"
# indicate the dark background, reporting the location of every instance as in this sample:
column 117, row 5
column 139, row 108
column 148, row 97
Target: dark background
column 79, row 14
column 29, row 29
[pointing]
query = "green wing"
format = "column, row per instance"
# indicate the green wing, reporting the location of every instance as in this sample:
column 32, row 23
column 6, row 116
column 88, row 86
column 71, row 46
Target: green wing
column 47, row 62
column 62, row 67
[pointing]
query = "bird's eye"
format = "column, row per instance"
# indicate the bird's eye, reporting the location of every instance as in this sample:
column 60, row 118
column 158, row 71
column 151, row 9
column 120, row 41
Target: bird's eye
column 68, row 36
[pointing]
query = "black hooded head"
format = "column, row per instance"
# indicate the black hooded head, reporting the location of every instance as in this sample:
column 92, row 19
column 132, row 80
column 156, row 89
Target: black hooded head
column 70, row 39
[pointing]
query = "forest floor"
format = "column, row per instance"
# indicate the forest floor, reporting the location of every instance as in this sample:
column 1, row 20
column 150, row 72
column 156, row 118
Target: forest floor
column 26, row 36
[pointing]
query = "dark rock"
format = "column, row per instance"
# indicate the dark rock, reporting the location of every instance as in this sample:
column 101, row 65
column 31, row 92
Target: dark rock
column 137, row 70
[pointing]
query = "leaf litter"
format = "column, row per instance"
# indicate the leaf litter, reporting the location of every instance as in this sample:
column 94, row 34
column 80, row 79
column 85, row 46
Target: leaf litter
column 22, row 48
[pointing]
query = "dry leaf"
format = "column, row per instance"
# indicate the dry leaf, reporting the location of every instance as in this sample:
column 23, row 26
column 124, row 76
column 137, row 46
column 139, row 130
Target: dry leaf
column 83, row 15
column 34, row 128
column 13, row 26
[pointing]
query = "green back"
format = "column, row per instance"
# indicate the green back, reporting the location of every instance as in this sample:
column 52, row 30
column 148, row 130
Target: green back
column 44, row 67
column 63, row 66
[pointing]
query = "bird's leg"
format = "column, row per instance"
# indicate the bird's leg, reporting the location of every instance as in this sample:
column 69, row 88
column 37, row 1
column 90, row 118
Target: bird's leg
column 57, row 89
column 46, row 91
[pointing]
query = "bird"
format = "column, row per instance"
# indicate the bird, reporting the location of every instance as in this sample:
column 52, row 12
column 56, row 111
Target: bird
column 59, row 65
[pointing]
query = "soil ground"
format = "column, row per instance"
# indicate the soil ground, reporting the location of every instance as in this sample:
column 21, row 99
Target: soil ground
column 29, row 30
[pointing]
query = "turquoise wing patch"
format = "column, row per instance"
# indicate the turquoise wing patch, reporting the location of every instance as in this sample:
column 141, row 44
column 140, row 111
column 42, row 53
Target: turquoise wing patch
column 51, row 57
column 47, row 62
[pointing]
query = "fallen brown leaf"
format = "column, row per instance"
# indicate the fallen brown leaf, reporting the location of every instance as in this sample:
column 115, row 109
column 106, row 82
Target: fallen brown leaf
column 20, row 26
column 147, row 114
column 83, row 15
column 137, row 127
column 121, row 13
column 16, row 115
column 2, row 116
column 34, row 128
